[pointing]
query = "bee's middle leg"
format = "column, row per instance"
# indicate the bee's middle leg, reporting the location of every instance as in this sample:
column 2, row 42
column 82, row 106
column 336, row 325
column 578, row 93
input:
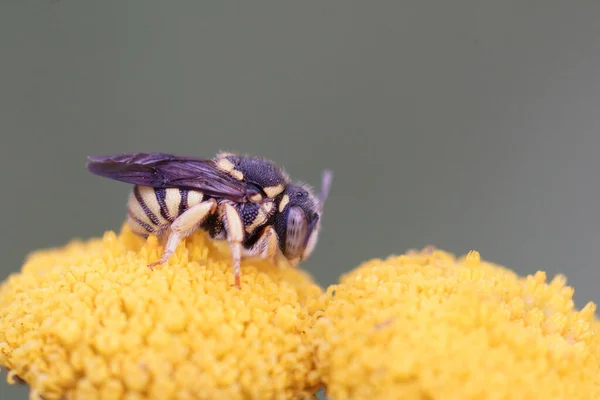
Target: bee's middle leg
column 235, row 236
column 183, row 226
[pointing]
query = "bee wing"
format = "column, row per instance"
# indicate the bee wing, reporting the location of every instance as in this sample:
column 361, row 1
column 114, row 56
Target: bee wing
column 165, row 170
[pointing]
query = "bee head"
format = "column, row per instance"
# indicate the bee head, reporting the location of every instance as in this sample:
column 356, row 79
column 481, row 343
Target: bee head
column 299, row 219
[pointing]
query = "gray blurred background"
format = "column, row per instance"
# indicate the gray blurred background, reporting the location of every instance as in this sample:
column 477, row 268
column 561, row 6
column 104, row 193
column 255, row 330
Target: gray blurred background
column 463, row 124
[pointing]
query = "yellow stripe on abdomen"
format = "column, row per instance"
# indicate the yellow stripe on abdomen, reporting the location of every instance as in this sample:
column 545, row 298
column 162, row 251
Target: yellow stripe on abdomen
column 172, row 201
column 149, row 199
column 194, row 198
column 140, row 216
column 151, row 210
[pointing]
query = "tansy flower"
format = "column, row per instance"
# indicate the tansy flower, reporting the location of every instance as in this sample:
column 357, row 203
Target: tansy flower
column 426, row 325
column 91, row 321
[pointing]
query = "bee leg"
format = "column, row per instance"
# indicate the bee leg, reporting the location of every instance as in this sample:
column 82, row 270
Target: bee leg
column 266, row 246
column 163, row 236
column 272, row 248
column 183, row 226
column 269, row 245
column 235, row 236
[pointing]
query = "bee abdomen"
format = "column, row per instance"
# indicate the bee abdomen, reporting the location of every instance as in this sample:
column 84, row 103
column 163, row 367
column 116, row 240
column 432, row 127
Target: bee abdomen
column 151, row 210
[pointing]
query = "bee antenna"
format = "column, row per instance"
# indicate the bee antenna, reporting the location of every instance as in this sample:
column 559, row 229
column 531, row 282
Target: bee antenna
column 325, row 185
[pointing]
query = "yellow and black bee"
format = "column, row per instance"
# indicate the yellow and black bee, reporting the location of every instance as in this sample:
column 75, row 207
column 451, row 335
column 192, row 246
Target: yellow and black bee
column 248, row 201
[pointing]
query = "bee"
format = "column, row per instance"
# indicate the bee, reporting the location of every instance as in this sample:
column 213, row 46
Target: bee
column 248, row 201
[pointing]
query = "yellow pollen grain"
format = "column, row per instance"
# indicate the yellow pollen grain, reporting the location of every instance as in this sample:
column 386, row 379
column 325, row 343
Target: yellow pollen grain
column 91, row 321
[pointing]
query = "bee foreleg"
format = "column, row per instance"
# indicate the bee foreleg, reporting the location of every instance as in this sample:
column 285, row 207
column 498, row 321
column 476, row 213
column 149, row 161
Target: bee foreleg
column 183, row 226
column 272, row 246
column 266, row 246
column 235, row 236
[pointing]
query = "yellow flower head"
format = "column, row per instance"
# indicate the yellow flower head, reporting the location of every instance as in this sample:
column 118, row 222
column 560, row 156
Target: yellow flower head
column 426, row 325
column 91, row 321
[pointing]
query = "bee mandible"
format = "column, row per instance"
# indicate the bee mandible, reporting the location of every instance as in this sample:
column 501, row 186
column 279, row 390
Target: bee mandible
column 248, row 201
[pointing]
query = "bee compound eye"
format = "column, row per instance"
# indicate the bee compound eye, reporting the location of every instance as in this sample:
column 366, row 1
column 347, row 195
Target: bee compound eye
column 296, row 229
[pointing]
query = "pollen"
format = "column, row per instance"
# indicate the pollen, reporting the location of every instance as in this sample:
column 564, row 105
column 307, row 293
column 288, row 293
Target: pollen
column 429, row 325
column 91, row 321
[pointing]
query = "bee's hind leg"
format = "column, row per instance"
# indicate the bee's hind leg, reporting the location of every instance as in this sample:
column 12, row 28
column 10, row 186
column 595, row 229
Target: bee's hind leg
column 163, row 236
column 183, row 226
